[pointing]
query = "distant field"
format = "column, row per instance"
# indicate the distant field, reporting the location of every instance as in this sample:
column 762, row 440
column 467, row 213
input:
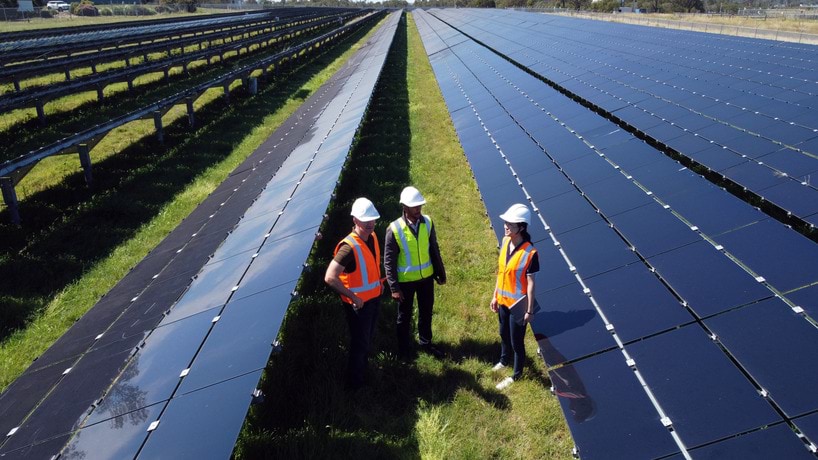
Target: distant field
column 772, row 28
column 68, row 20
column 784, row 24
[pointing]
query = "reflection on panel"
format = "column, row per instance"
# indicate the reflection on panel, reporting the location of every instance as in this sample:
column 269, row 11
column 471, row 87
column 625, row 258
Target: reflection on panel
column 571, row 324
column 604, row 405
column 118, row 437
column 207, row 420
column 153, row 373
column 241, row 340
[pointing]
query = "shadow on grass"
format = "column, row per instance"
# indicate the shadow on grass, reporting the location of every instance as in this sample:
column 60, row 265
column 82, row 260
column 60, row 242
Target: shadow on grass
column 68, row 228
column 307, row 413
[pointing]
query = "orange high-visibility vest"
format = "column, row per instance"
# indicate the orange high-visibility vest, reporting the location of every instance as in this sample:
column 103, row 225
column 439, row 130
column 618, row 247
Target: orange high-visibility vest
column 365, row 281
column 512, row 282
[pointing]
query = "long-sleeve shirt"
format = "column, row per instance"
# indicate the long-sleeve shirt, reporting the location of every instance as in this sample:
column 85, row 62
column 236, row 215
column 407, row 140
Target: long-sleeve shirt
column 392, row 248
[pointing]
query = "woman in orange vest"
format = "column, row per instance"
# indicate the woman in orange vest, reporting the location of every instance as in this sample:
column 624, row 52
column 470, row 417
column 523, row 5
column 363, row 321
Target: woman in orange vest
column 517, row 264
column 355, row 274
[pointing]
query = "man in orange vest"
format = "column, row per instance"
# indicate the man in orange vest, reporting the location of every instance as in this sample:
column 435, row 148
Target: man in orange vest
column 517, row 264
column 355, row 274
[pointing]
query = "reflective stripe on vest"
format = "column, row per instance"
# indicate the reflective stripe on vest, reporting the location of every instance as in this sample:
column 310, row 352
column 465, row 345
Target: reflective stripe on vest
column 365, row 281
column 512, row 283
column 413, row 266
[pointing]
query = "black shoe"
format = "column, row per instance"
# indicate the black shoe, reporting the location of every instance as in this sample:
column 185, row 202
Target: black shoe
column 432, row 350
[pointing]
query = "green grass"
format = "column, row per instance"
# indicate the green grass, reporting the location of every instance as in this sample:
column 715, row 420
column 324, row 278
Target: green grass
column 427, row 409
column 75, row 244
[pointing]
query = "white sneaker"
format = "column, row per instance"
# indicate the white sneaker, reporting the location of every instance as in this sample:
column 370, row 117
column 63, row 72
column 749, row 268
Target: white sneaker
column 498, row 366
column 505, row 383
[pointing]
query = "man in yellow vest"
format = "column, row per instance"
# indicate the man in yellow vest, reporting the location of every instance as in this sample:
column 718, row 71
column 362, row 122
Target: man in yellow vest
column 355, row 274
column 412, row 262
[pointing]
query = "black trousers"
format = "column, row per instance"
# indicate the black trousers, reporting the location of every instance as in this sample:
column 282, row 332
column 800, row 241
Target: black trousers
column 512, row 341
column 425, row 291
column 361, row 331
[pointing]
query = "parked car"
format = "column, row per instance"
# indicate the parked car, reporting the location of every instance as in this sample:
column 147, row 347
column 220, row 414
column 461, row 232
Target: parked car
column 58, row 5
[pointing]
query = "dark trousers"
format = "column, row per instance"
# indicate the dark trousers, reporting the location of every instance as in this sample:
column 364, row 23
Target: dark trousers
column 425, row 290
column 361, row 331
column 512, row 338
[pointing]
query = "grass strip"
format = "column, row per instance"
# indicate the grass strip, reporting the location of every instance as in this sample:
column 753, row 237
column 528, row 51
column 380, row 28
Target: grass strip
column 429, row 408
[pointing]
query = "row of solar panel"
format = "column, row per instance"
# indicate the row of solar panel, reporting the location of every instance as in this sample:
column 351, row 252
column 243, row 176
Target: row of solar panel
column 222, row 328
column 760, row 133
column 634, row 246
column 99, row 81
column 113, row 36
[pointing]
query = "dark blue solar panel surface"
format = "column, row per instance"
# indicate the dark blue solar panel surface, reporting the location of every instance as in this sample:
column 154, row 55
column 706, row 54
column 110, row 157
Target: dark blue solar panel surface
column 694, row 93
column 764, row 337
column 219, row 332
column 777, row 441
column 646, row 236
column 698, row 386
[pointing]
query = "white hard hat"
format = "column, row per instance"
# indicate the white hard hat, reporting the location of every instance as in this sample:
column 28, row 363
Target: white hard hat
column 364, row 210
column 516, row 214
column 410, row 196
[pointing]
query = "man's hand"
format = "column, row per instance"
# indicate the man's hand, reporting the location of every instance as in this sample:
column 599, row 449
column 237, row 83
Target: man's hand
column 493, row 305
column 398, row 295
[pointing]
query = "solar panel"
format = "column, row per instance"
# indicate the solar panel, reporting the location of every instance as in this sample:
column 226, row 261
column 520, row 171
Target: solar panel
column 595, row 408
column 698, row 386
column 628, row 230
column 766, row 351
column 773, row 441
column 679, row 104
column 201, row 326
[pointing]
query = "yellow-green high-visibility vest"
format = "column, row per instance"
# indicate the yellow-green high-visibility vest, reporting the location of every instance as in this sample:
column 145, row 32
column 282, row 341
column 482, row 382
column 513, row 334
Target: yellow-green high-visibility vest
column 414, row 262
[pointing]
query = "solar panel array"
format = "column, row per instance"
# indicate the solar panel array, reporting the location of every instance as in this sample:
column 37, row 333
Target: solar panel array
column 126, row 33
column 677, row 320
column 742, row 108
column 183, row 386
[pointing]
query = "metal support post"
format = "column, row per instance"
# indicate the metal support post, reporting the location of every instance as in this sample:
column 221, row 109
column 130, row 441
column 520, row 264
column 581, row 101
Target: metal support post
column 227, row 92
column 100, row 94
column 40, row 113
column 191, row 119
column 85, row 161
column 157, row 121
column 253, row 85
column 10, row 198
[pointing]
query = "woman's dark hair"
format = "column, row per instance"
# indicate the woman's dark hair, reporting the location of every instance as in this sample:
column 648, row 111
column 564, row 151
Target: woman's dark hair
column 524, row 232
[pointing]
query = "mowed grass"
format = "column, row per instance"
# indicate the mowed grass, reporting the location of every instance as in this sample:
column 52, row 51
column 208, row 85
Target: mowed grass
column 427, row 409
column 76, row 244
